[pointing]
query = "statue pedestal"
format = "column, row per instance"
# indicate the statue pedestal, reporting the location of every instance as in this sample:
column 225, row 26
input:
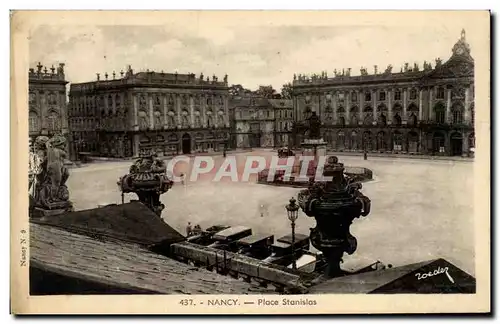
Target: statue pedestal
column 314, row 147
column 53, row 209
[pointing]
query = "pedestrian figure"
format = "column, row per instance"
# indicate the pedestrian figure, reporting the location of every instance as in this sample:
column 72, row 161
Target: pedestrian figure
column 365, row 155
column 197, row 230
column 182, row 178
column 189, row 230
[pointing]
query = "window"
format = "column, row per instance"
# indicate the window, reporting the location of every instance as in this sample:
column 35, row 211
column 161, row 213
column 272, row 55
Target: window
column 397, row 95
column 458, row 116
column 368, row 96
column 341, row 121
column 413, row 94
column 53, row 121
column 34, row 125
column 340, row 140
column 341, row 96
column 397, row 119
column 381, row 96
column 354, row 96
column 440, row 93
column 439, row 114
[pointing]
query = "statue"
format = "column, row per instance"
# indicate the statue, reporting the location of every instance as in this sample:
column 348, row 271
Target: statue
column 225, row 78
column 388, row 70
column 438, row 62
column 49, row 194
column 147, row 178
column 334, row 204
column 314, row 126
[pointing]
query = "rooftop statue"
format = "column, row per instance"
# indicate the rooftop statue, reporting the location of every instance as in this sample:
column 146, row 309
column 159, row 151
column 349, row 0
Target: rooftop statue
column 334, row 204
column 49, row 194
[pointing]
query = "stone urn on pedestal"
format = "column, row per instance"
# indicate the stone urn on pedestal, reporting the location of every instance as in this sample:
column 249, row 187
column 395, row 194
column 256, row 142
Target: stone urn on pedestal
column 334, row 203
column 147, row 178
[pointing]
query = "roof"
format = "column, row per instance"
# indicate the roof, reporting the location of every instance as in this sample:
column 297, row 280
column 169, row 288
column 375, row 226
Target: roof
column 119, row 266
column 402, row 280
column 298, row 237
column 256, row 238
column 281, row 245
column 281, row 103
column 131, row 222
column 230, row 231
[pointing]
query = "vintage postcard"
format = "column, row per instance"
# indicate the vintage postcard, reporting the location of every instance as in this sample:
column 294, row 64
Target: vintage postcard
column 250, row 162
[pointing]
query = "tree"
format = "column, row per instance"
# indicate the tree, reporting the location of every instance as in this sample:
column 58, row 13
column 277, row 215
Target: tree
column 286, row 91
column 267, row 92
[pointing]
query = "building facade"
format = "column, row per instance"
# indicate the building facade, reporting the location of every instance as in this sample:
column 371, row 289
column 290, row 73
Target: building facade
column 168, row 113
column 47, row 102
column 283, row 114
column 427, row 110
column 253, row 122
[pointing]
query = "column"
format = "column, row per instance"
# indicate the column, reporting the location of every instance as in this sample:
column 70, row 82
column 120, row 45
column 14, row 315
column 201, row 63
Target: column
column 361, row 97
column 420, row 105
column 465, row 144
column 151, row 111
column 467, row 104
column 135, row 153
column 348, row 109
column 191, row 110
column 389, row 104
column 177, row 104
column 136, row 113
column 374, row 103
column 405, row 98
column 430, row 115
column 203, row 101
column 335, row 105
column 165, row 111
column 448, row 106
column 225, row 100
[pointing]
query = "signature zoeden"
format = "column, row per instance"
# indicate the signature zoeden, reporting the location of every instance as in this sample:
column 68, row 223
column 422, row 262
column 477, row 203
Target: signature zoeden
column 436, row 272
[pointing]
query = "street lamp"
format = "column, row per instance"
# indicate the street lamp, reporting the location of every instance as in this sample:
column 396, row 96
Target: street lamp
column 293, row 213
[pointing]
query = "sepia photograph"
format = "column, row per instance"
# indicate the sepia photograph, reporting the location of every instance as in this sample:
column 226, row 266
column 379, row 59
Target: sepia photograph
column 258, row 162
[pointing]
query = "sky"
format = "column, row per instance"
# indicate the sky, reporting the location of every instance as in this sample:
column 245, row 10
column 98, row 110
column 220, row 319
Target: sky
column 264, row 52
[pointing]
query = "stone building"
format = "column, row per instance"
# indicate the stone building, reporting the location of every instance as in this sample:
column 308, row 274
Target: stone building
column 252, row 122
column 283, row 114
column 428, row 110
column 47, row 102
column 170, row 113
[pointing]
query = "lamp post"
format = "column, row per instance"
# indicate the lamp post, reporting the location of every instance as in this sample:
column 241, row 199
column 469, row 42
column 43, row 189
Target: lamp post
column 293, row 213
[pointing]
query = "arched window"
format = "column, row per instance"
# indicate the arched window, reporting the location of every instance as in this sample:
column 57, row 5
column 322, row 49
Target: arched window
column 413, row 94
column 382, row 120
column 53, row 121
column 354, row 140
column 143, row 120
column 158, row 122
column 458, row 114
column 381, row 143
column 368, row 120
column 354, row 119
column 34, row 123
column 397, row 140
column 340, row 140
column 412, row 119
column 185, row 118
